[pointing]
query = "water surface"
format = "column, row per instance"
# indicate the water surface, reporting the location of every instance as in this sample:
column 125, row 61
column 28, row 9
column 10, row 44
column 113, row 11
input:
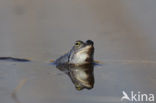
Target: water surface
column 124, row 37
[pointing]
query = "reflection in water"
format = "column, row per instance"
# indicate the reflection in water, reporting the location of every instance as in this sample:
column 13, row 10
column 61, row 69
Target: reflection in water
column 81, row 76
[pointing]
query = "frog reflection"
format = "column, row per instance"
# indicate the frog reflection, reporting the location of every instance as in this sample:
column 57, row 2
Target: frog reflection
column 81, row 76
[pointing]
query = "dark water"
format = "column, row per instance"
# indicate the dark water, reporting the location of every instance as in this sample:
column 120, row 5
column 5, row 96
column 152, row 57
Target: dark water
column 123, row 32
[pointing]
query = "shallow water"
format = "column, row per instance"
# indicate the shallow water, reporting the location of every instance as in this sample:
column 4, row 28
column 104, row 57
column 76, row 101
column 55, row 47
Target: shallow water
column 45, row 30
column 44, row 83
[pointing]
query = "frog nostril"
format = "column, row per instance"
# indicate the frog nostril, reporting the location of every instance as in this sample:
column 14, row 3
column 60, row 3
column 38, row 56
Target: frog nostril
column 90, row 42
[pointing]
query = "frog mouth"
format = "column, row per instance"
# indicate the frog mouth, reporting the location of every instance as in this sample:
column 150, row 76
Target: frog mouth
column 84, row 50
column 84, row 55
column 88, row 49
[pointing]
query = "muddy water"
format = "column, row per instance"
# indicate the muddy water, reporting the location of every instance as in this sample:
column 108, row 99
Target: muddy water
column 44, row 30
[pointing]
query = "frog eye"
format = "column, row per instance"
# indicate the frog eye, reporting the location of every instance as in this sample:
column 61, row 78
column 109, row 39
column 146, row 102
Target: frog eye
column 77, row 44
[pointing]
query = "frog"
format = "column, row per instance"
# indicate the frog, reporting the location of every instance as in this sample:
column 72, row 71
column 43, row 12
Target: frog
column 81, row 53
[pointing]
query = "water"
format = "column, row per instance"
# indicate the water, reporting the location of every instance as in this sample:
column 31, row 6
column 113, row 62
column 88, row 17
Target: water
column 45, row 30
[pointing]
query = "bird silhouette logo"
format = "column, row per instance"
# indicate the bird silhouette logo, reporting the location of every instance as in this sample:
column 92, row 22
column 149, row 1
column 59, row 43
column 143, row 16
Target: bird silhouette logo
column 125, row 96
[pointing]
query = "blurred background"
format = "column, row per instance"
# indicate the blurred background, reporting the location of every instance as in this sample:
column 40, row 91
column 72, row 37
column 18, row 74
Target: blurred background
column 125, row 41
